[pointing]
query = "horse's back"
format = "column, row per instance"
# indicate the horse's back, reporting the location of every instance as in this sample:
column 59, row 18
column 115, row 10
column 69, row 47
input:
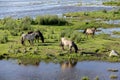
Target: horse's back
column 90, row 30
column 66, row 42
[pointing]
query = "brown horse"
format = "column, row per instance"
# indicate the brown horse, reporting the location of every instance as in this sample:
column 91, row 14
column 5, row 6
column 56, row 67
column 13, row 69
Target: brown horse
column 69, row 43
column 89, row 31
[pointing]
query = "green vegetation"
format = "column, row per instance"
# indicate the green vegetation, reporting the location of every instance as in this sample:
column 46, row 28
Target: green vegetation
column 53, row 28
column 113, row 76
column 97, row 78
column 85, row 78
column 103, row 14
column 116, row 32
column 112, row 3
column 50, row 20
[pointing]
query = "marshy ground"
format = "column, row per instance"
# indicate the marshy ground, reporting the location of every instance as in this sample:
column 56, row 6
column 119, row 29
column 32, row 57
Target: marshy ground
column 53, row 28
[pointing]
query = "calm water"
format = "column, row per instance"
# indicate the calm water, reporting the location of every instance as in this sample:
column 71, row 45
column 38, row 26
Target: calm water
column 21, row 8
column 10, row 70
column 109, row 31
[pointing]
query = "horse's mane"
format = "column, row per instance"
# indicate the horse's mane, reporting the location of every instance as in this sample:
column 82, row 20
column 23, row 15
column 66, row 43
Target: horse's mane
column 30, row 32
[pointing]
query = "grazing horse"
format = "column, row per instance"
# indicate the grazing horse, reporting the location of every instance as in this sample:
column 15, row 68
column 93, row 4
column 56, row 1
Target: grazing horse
column 89, row 31
column 38, row 36
column 69, row 43
column 29, row 37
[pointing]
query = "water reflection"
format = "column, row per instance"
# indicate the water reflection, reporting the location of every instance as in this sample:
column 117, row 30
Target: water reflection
column 68, row 70
column 68, row 64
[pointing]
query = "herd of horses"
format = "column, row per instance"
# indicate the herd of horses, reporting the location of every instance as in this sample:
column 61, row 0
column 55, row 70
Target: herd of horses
column 32, row 36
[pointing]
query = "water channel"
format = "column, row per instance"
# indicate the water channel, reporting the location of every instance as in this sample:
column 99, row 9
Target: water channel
column 11, row 70
column 21, row 8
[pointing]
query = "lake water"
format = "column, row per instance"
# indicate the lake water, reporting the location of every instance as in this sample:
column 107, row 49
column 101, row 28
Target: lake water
column 10, row 70
column 21, row 8
column 109, row 31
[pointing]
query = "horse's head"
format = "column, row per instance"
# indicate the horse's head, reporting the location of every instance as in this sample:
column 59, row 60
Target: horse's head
column 22, row 38
column 84, row 31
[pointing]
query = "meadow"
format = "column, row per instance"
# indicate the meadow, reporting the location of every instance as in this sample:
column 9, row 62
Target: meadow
column 53, row 28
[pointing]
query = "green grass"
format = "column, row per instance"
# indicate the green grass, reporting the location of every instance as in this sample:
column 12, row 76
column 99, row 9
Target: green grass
column 103, row 14
column 112, row 3
column 113, row 76
column 101, row 45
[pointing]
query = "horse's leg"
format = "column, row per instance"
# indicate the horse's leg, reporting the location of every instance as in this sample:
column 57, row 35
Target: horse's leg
column 87, row 36
column 32, row 41
column 61, row 44
column 63, row 47
column 93, row 35
column 29, row 41
column 70, row 47
column 37, row 39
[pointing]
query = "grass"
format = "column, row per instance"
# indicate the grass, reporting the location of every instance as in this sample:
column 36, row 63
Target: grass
column 103, row 14
column 100, row 46
column 112, row 3
column 113, row 76
column 116, row 32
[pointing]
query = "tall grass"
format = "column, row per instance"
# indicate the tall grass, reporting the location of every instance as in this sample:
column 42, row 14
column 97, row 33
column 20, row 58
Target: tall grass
column 4, row 39
column 50, row 20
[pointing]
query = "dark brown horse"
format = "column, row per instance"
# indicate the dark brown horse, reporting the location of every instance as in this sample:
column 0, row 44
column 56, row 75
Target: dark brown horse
column 89, row 31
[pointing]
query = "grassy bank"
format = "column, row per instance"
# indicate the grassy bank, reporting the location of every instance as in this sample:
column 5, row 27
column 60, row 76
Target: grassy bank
column 103, row 14
column 112, row 3
column 95, row 49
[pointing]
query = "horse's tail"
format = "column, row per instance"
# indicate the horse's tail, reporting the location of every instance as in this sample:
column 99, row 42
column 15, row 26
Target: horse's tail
column 84, row 31
column 75, row 47
column 22, row 41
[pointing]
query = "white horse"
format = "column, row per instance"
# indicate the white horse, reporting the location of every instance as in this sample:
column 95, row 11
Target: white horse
column 29, row 37
column 69, row 43
column 90, row 31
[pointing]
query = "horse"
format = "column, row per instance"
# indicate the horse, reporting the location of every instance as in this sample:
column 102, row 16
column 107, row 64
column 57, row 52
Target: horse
column 69, row 43
column 29, row 37
column 89, row 31
column 38, row 36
